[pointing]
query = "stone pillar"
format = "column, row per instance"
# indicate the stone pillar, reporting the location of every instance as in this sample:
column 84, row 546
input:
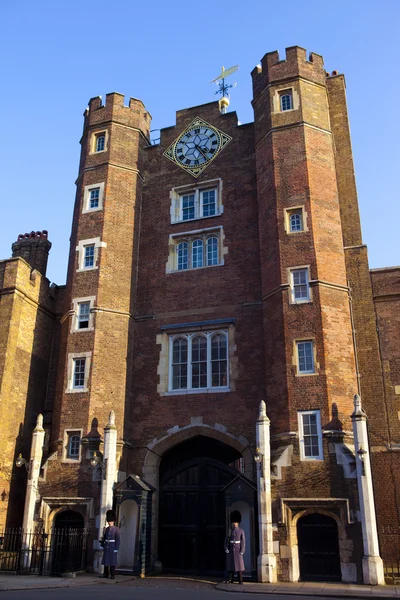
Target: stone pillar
column 372, row 564
column 266, row 561
column 109, row 469
column 108, row 478
column 33, row 475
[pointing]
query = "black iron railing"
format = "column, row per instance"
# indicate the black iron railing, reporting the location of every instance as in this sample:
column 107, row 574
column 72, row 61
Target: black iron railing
column 40, row 553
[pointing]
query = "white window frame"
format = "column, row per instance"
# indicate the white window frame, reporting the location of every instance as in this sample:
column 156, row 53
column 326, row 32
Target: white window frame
column 191, row 236
column 301, row 415
column 75, row 316
column 209, row 388
column 290, row 211
column 68, row 433
column 197, row 190
column 93, row 144
column 315, row 365
column 284, row 94
column 81, row 253
column 303, row 269
column 71, row 372
column 86, row 197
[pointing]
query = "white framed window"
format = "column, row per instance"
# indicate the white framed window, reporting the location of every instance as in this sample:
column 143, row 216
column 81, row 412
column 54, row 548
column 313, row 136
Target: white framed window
column 99, row 142
column 79, row 369
column 88, row 253
column 310, row 435
column 78, row 372
column 196, row 202
column 199, row 362
column 82, row 317
column 305, row 357
column 299, row 285
column 286, row 100
column 72, row 445
column 93, row 197
column 196, row 249
column 74, row 441
column 295, row 220
column 88, row 256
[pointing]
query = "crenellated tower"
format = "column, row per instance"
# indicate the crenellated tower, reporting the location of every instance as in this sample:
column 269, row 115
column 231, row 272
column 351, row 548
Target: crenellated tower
column 95, row 360
column 309, row 357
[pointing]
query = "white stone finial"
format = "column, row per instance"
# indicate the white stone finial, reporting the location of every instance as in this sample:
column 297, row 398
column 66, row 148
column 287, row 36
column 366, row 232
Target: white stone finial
column 358, row 409
column 262, row 410
column 111, row 418
column 39, row 423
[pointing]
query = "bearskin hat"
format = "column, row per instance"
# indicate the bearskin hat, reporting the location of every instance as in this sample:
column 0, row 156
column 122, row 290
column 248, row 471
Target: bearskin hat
column 111, row 516
column 236, row 517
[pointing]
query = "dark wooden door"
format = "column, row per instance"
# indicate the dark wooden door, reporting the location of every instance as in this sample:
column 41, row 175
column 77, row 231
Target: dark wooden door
column 192, row 517
column 318, row 548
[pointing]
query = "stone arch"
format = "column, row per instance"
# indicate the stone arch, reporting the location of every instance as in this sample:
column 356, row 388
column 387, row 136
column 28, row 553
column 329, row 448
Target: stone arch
column 176, row 435
column 348, row 570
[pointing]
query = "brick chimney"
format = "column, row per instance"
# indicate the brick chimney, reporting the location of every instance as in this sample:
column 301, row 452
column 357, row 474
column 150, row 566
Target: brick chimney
column 34, row 247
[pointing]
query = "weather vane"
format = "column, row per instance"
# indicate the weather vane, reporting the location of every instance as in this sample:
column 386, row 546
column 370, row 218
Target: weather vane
column 223, row 87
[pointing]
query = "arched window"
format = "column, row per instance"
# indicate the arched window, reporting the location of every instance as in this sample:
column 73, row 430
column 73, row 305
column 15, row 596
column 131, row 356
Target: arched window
column 182, row 255
column 197, row 254
column 212, row 251
column 295, row 221
column 179, row 363
column 199, row 362
column 286, row 101
column 219, row 362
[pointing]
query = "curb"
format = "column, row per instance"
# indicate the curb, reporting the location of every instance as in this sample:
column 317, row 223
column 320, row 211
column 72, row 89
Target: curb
column 306, row 593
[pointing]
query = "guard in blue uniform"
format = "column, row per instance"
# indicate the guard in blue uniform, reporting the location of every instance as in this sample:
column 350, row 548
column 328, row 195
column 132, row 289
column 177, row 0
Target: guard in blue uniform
column 110, row 544
column 235, row 547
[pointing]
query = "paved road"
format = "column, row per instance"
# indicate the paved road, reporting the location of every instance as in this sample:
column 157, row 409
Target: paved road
column 177, row 590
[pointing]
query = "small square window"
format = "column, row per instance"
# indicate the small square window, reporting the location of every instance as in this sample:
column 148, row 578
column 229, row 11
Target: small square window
column 300, row 287
column 305, row 357
column 310, row 435
column 73, row 445
column 78, row 377
column 286, row 100
column 88, row 258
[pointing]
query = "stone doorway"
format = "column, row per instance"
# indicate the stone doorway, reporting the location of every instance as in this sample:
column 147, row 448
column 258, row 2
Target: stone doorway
column 319, row 555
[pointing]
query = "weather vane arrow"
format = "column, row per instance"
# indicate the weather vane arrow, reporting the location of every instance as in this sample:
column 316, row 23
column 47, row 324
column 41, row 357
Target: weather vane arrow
column 223, row 87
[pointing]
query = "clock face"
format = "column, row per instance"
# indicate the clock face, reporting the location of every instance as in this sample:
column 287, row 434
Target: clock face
column 197, row 146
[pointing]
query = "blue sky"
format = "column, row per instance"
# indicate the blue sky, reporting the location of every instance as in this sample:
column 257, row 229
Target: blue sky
column 58, row 54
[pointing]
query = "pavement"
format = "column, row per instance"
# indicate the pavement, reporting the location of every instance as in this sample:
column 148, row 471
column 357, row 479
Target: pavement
column 313, row 589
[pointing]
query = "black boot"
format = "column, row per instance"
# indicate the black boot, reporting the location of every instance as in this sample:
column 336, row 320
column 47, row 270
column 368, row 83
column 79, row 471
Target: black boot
column 240, row 577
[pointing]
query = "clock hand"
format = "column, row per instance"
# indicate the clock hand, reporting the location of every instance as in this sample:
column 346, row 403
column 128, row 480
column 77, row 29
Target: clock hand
column 200, row 150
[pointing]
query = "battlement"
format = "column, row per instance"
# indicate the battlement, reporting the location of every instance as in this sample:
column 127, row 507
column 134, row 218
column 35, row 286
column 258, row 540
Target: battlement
column 296, row 64
column 114, row 109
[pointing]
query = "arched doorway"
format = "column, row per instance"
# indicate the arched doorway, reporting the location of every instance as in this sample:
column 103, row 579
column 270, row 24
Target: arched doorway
column 68, row 542
column 318, row 548
column 192, row 519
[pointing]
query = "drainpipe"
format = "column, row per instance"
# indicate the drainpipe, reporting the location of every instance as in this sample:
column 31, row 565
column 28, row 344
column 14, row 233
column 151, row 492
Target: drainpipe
column 266, row 561
column 372, row 564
